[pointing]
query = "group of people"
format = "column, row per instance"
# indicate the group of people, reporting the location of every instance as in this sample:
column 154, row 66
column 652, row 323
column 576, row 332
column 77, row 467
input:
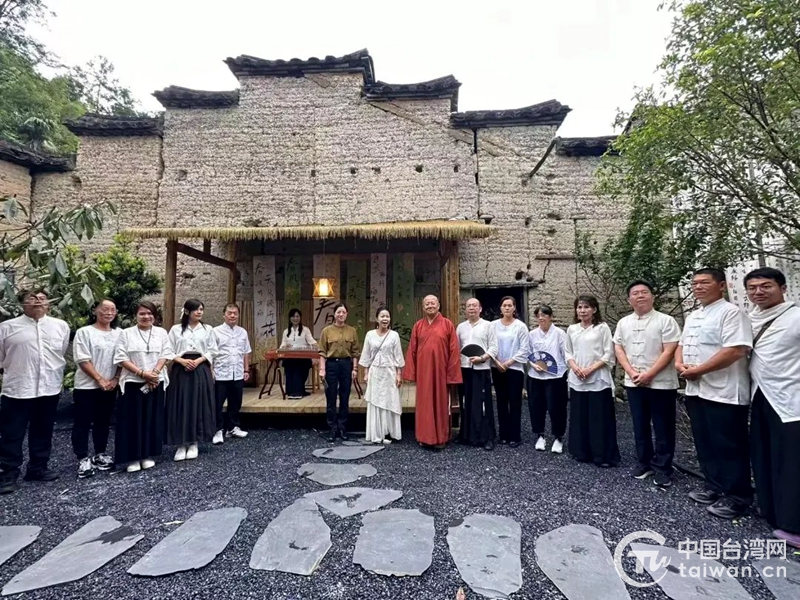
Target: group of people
column 122, row 371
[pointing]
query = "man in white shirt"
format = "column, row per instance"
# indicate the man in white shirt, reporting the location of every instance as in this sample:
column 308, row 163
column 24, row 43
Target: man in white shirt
column 645, row 343
column 477, row 408
column 32, row 348
column 231, row 370
column 712, row 357
column 775, row 421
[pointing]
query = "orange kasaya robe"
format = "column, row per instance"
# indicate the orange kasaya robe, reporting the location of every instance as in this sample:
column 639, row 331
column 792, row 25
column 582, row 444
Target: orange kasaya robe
column 433, row 361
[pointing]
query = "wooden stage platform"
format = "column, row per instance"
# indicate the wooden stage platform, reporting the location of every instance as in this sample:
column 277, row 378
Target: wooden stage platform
column 315, row 403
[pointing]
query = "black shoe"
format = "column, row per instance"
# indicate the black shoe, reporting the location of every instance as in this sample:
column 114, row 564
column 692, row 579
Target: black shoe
column 704, row 496
column 489, row 446
column 43, row 475
column 513, row 444
column 343, row 435
column 727, row 508
column 662, row 480
column 641, row 472
column 332, row 435
column 9, row 487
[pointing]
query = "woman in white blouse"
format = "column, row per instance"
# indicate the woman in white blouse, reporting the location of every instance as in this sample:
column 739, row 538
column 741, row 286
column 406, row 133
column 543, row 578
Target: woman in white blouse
column 96, row 387
column 382, row 356
column 590, row 356
column 508, row 371
column 142, row 351
column 547, row 379
column 191, row 412
column 297, row 337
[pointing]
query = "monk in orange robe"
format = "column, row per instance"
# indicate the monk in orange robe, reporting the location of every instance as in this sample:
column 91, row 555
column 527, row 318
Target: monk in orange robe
column 433, row 361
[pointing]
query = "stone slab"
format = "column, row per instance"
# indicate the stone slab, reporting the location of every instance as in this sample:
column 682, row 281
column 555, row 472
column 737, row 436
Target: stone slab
column 576, row 559
column 92, row 546
column 349, row 501
column 783, row 585
column 675, row 574
column 395, row 542
column 334, row 473
column 14, row 538
column 486, row 550
column 295, row 541
column 192, row 545
column 346, row 452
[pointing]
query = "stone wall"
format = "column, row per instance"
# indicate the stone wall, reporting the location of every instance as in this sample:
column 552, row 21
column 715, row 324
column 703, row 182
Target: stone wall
column 15, row 181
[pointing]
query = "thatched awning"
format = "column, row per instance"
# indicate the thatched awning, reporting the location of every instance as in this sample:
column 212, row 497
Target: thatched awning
column 443, row 230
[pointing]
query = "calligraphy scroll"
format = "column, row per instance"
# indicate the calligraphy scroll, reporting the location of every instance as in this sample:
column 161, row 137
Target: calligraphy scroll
column 265, row 306
column 377, row 283
column 292, row 284
column 357, row 296
column 403, row 295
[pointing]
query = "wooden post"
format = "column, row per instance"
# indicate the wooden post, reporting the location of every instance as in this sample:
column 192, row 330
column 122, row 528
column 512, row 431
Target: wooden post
column 170, row 278
column 450, row 281
column 232, row 272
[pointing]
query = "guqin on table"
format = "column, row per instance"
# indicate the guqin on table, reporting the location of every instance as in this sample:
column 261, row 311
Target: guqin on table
column 273, row 359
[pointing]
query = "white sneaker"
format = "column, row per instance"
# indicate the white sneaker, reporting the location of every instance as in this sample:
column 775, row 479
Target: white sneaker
column 85, row 468
column 237, row 433
column 148, row 463
column 218, row 438
column 387, row 441
column 180, row 454
column 558, row 447
column 192, row 452
column 541, row 443
column 133, row 467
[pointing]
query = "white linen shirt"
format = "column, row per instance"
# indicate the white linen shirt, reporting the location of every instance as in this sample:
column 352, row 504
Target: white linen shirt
column 775, row 365
column 197, row 340
column 233, row 344
column 586, row 346
column 32, row 356
column 97, row 347
column 512, row 343
column 133, row 346
column 481, row 333
column 643, row 338
column 554, row 343
column 708, row 330
column 292, row 341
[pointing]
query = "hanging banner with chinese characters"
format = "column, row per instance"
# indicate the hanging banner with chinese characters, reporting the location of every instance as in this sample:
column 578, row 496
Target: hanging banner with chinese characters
column 357, row 296
column 265, row 305
column 377, row 284
column 403, row 295
column 291, row 284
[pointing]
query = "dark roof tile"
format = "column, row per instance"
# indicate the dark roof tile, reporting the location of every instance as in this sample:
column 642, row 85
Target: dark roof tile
column 35, row 161
column 585, row 146
column 443, row 87
column 104, row 125
column 180, row 97
column 355, row 62
column 551, row 112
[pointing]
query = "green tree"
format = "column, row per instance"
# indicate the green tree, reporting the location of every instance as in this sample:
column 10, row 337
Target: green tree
column 99, row 90
column 36, row 252
column 15, row 15
column 127, row 278
column 714, row 157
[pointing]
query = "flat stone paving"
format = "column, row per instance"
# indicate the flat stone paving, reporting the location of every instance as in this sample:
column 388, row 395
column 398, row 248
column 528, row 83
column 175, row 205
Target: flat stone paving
column 335, row 474
column 395, row 542
column 14, row 538
column 349, row 501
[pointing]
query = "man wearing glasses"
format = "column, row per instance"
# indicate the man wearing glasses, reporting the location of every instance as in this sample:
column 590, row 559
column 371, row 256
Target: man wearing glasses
column 32, row 348
column 712, row 358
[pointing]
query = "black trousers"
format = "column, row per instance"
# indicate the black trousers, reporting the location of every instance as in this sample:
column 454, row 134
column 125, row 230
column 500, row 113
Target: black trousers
column 477, row 408
column 775, row 448
column 231, row 391
column 721, row 439
column 339, row 378
column 656, row 407
column 548, row 395
column 296, row 370
column 508, row 389
column 593, row 427
column 93, row 410
column 18, row 415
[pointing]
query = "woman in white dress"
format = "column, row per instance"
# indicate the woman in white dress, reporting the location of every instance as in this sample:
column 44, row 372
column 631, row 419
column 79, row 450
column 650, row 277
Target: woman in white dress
column 382, row 357
column 297, row 337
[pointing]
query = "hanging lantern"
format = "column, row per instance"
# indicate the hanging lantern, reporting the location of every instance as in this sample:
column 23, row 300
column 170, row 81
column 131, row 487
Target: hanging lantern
column 324, row 287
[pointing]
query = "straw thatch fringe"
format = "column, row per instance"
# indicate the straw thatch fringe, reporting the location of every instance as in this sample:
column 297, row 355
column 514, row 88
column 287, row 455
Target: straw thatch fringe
column 444, row 230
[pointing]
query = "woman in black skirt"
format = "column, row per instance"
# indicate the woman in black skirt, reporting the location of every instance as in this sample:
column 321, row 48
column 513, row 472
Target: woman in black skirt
column 141, row 351
column 297, row 337
column 191, row 409
column 590, row 356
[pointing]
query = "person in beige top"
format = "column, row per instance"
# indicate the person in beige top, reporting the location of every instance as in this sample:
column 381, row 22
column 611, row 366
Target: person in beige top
column 338, row 365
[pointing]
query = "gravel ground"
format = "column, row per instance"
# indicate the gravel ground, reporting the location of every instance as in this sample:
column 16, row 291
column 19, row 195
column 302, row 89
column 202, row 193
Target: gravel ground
column 542, row 491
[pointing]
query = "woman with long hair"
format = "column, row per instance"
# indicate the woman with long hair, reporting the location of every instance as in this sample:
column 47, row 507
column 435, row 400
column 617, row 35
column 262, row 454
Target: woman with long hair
column 508, row 371
column 297, row 337
column 338, row 365
column 96, row 387
column 382, row 357
column 191, row 414
column 142, row 351
column 590, row 356
column 547, row 379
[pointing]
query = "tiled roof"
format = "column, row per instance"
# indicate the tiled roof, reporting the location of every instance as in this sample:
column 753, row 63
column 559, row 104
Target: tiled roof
column 92, row 124
column 443, row 87
column 181, row 97
column 551, row 112
column 35, row 161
